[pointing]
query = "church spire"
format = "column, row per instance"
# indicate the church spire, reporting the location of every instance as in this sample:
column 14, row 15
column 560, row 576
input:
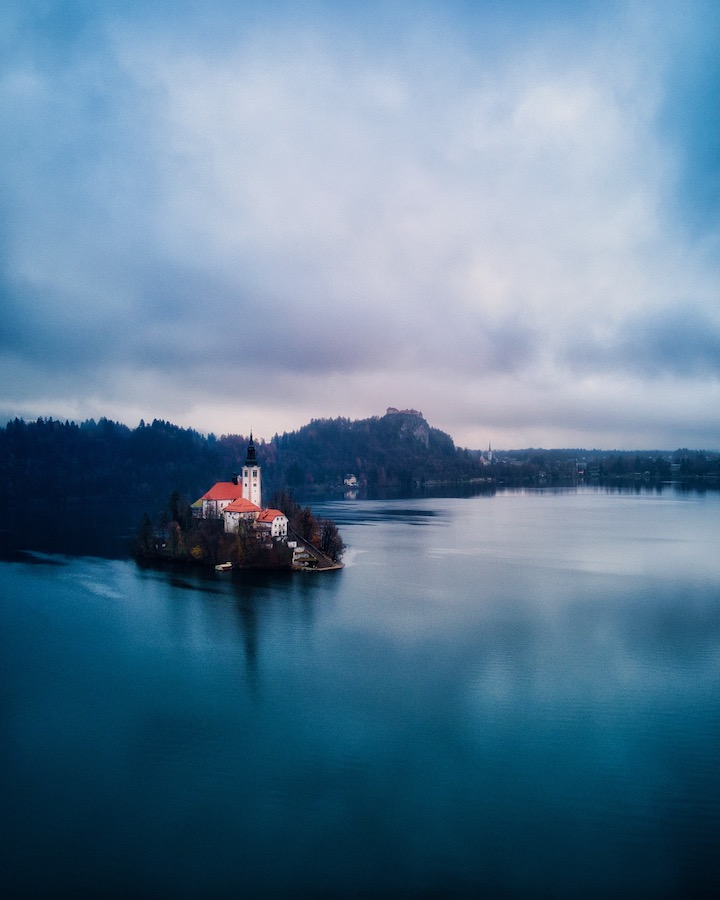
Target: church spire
column 250, row 459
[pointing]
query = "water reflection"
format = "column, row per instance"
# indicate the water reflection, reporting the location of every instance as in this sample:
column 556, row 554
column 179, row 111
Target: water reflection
column 249, row 627
column 239, row 610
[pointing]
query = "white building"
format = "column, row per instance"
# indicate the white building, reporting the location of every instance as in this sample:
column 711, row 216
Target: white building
column 241, row 500
column 213, row 502
column 273, row 522
column 237, row 511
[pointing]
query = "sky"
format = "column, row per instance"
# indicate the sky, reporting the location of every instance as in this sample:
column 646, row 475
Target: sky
column 245, row 215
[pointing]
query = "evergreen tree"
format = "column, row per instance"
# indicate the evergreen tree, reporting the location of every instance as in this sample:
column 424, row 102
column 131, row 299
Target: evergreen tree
column 145, row 537
column 331, row 543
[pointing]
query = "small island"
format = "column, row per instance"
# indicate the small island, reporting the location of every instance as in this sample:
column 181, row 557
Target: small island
column 229, row 528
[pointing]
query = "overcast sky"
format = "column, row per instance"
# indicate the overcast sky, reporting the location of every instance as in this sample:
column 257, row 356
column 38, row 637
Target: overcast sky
column 237, row 215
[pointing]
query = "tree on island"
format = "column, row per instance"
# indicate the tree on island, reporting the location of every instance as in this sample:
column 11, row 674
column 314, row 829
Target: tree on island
column 178, row 510
column 145, row 540
column 323, row 534
column 331, row 543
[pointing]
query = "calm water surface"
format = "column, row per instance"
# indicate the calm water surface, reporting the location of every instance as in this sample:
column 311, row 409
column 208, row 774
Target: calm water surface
column 509, row 696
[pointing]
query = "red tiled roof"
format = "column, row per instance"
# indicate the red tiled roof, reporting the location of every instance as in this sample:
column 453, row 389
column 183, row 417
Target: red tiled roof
column 223, row 490
column 241, row 505
column 267, row 515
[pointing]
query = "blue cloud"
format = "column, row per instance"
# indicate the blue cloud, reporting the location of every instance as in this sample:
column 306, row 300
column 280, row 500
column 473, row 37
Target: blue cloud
column 683, row 342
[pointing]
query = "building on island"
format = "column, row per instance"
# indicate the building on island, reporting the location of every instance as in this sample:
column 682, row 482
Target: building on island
column 273, row 523
column 235, row 507
column 237, row 511
column 212, row 503
column 247, row 488
column 240, row 500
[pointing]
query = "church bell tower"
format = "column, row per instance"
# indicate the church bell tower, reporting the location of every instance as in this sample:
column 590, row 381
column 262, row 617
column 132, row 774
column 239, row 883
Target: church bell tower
column 251, row 480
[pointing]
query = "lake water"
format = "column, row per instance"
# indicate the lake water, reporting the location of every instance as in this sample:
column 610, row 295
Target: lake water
column 511, row 696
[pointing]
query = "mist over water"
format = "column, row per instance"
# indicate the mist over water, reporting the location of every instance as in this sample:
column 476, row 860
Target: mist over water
column 513, row 694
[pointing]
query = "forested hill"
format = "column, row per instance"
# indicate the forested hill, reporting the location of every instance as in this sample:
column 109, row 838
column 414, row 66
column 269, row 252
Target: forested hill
column 53, row 460
column 48, row 459
column 399, row 449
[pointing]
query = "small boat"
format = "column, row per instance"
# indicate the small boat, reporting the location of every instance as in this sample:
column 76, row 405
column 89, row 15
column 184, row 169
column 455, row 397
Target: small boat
column 223, row 567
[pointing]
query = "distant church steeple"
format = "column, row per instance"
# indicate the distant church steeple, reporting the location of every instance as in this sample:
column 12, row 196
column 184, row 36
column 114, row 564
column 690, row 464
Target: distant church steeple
column 251, row 478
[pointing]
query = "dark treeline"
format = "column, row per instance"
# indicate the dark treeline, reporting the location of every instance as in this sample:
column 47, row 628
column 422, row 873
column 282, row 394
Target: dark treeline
column 48, row 459
column 104, row 460
column 533, row 466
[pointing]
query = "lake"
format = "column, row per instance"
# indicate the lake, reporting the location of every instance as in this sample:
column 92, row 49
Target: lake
column 513, row 695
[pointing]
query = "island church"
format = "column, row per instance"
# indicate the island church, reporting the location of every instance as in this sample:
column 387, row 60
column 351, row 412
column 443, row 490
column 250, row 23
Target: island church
column 241, row 500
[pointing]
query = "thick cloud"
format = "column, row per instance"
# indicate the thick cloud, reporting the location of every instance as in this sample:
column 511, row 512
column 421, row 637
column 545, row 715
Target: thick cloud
column 683, row 342
column 236, row 216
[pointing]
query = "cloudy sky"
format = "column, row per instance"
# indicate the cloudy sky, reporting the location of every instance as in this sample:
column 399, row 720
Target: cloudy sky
column 238, row 215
